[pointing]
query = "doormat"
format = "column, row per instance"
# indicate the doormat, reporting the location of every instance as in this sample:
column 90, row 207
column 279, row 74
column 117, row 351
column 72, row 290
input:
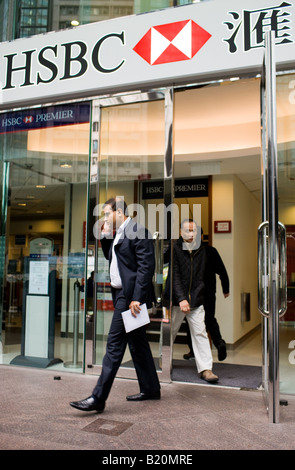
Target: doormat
column 230, row 375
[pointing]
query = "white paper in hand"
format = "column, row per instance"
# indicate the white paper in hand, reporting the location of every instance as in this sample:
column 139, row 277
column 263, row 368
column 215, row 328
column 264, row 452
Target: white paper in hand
column 131, row 322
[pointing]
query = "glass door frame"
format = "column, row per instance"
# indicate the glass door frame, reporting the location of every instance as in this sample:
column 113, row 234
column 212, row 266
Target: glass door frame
column 90, row 328
column 272, row 285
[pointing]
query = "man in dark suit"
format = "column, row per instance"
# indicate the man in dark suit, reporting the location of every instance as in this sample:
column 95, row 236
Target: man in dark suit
column 129, row 248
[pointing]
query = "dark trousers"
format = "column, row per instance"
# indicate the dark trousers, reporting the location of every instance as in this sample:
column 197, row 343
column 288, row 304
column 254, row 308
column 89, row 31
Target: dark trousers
column 212, row 326
column 115, row 349
column 210, row 321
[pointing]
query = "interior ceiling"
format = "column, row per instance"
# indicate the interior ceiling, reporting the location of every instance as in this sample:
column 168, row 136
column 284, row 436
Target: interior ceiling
column 217, row 131
column 45, row 202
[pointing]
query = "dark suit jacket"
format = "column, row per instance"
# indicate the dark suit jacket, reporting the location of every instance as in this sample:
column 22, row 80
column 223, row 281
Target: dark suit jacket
column 136, row 262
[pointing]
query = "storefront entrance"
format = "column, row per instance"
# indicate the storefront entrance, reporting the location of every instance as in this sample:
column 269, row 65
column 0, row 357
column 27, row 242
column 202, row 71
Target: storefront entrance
column 215, row 175
column 192, row 151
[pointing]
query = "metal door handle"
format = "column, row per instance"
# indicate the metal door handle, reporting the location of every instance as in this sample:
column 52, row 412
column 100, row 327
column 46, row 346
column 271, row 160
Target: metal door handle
column 158, row 275
column 263, row 271
column 282, row 269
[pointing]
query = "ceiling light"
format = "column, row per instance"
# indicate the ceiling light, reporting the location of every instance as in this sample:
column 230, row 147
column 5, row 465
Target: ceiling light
column 66, row 165
column 22, row 204
column 40, row 186
column 75, row 23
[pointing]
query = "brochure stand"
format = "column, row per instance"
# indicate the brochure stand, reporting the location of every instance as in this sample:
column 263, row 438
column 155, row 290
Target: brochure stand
column 37, row 342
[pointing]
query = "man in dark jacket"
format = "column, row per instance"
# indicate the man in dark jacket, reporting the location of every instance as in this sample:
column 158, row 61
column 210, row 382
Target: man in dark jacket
column 214, row 265
column 130, row 252
column 188, row 294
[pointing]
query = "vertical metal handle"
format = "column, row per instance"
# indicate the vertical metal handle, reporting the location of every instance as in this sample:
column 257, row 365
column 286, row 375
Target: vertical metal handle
column 263, row 273
column 282, row 269
column 263, row 269
column 158, row 275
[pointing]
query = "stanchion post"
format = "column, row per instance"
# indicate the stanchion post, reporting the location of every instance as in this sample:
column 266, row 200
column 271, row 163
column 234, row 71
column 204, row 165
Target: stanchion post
column 75, row 363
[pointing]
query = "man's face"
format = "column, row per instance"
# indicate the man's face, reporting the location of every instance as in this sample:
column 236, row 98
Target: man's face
column 189, row 232
column 109, row 217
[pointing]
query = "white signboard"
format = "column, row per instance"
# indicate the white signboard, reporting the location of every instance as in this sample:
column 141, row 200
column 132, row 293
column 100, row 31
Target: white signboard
column 175, row 45
column 38, row 277
column 36, row 331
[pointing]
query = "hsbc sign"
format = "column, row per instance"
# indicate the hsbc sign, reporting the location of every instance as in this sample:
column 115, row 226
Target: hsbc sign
column 172, row 42
column 206, row 40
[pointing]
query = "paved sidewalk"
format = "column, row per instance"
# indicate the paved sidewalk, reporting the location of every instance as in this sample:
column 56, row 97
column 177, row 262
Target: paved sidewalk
column 35, row 415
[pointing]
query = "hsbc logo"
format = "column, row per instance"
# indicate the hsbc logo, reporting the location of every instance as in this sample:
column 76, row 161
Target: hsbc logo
column 172, row 42
column 28, row 119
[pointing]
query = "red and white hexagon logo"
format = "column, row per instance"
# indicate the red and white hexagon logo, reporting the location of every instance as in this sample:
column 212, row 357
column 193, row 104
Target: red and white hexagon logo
column 28, row 119
column 172, row 42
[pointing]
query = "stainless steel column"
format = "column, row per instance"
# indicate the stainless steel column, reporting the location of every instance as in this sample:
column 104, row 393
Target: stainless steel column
column 273, row 301
column 168, row 200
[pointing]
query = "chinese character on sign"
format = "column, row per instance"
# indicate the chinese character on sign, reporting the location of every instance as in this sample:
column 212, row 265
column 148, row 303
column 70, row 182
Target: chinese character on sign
column 253, row 25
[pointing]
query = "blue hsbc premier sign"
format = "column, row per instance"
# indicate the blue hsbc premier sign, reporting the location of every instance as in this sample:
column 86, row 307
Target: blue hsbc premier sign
column 49, row 116
column 161, row 48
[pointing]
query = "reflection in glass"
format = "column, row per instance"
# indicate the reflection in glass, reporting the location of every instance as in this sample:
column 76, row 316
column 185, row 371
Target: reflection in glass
column 37, row 17
column 286, row 191
column 45, row 216
column 131, row 151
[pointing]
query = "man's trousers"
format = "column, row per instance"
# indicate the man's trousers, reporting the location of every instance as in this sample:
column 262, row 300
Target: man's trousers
column 200, row 341
column 115, row 349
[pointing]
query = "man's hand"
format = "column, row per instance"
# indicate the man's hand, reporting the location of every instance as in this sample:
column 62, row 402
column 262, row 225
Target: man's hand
column 106, row 228
column 134, row 307
column 184, row 306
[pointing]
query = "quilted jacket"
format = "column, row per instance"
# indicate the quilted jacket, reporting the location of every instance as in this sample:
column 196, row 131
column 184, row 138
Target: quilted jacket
column 188, row 275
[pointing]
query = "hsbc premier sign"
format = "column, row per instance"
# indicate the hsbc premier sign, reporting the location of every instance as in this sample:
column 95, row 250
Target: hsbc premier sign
column 178, row 45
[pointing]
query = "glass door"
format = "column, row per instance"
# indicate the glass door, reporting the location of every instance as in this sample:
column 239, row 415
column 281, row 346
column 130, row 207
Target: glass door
column 286, row 208
column 44, row 157
column 271, row 239
column 218, row 142
column 217, row 175
column 129, row 154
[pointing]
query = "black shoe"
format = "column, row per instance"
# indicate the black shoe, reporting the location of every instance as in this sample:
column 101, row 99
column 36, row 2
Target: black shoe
column 188, row 356
column 144, row 396
column 221, row 348
column 89, row 404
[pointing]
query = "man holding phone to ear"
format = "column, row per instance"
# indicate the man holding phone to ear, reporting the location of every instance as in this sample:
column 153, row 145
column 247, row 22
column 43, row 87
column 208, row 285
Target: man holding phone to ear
column 129, row 248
